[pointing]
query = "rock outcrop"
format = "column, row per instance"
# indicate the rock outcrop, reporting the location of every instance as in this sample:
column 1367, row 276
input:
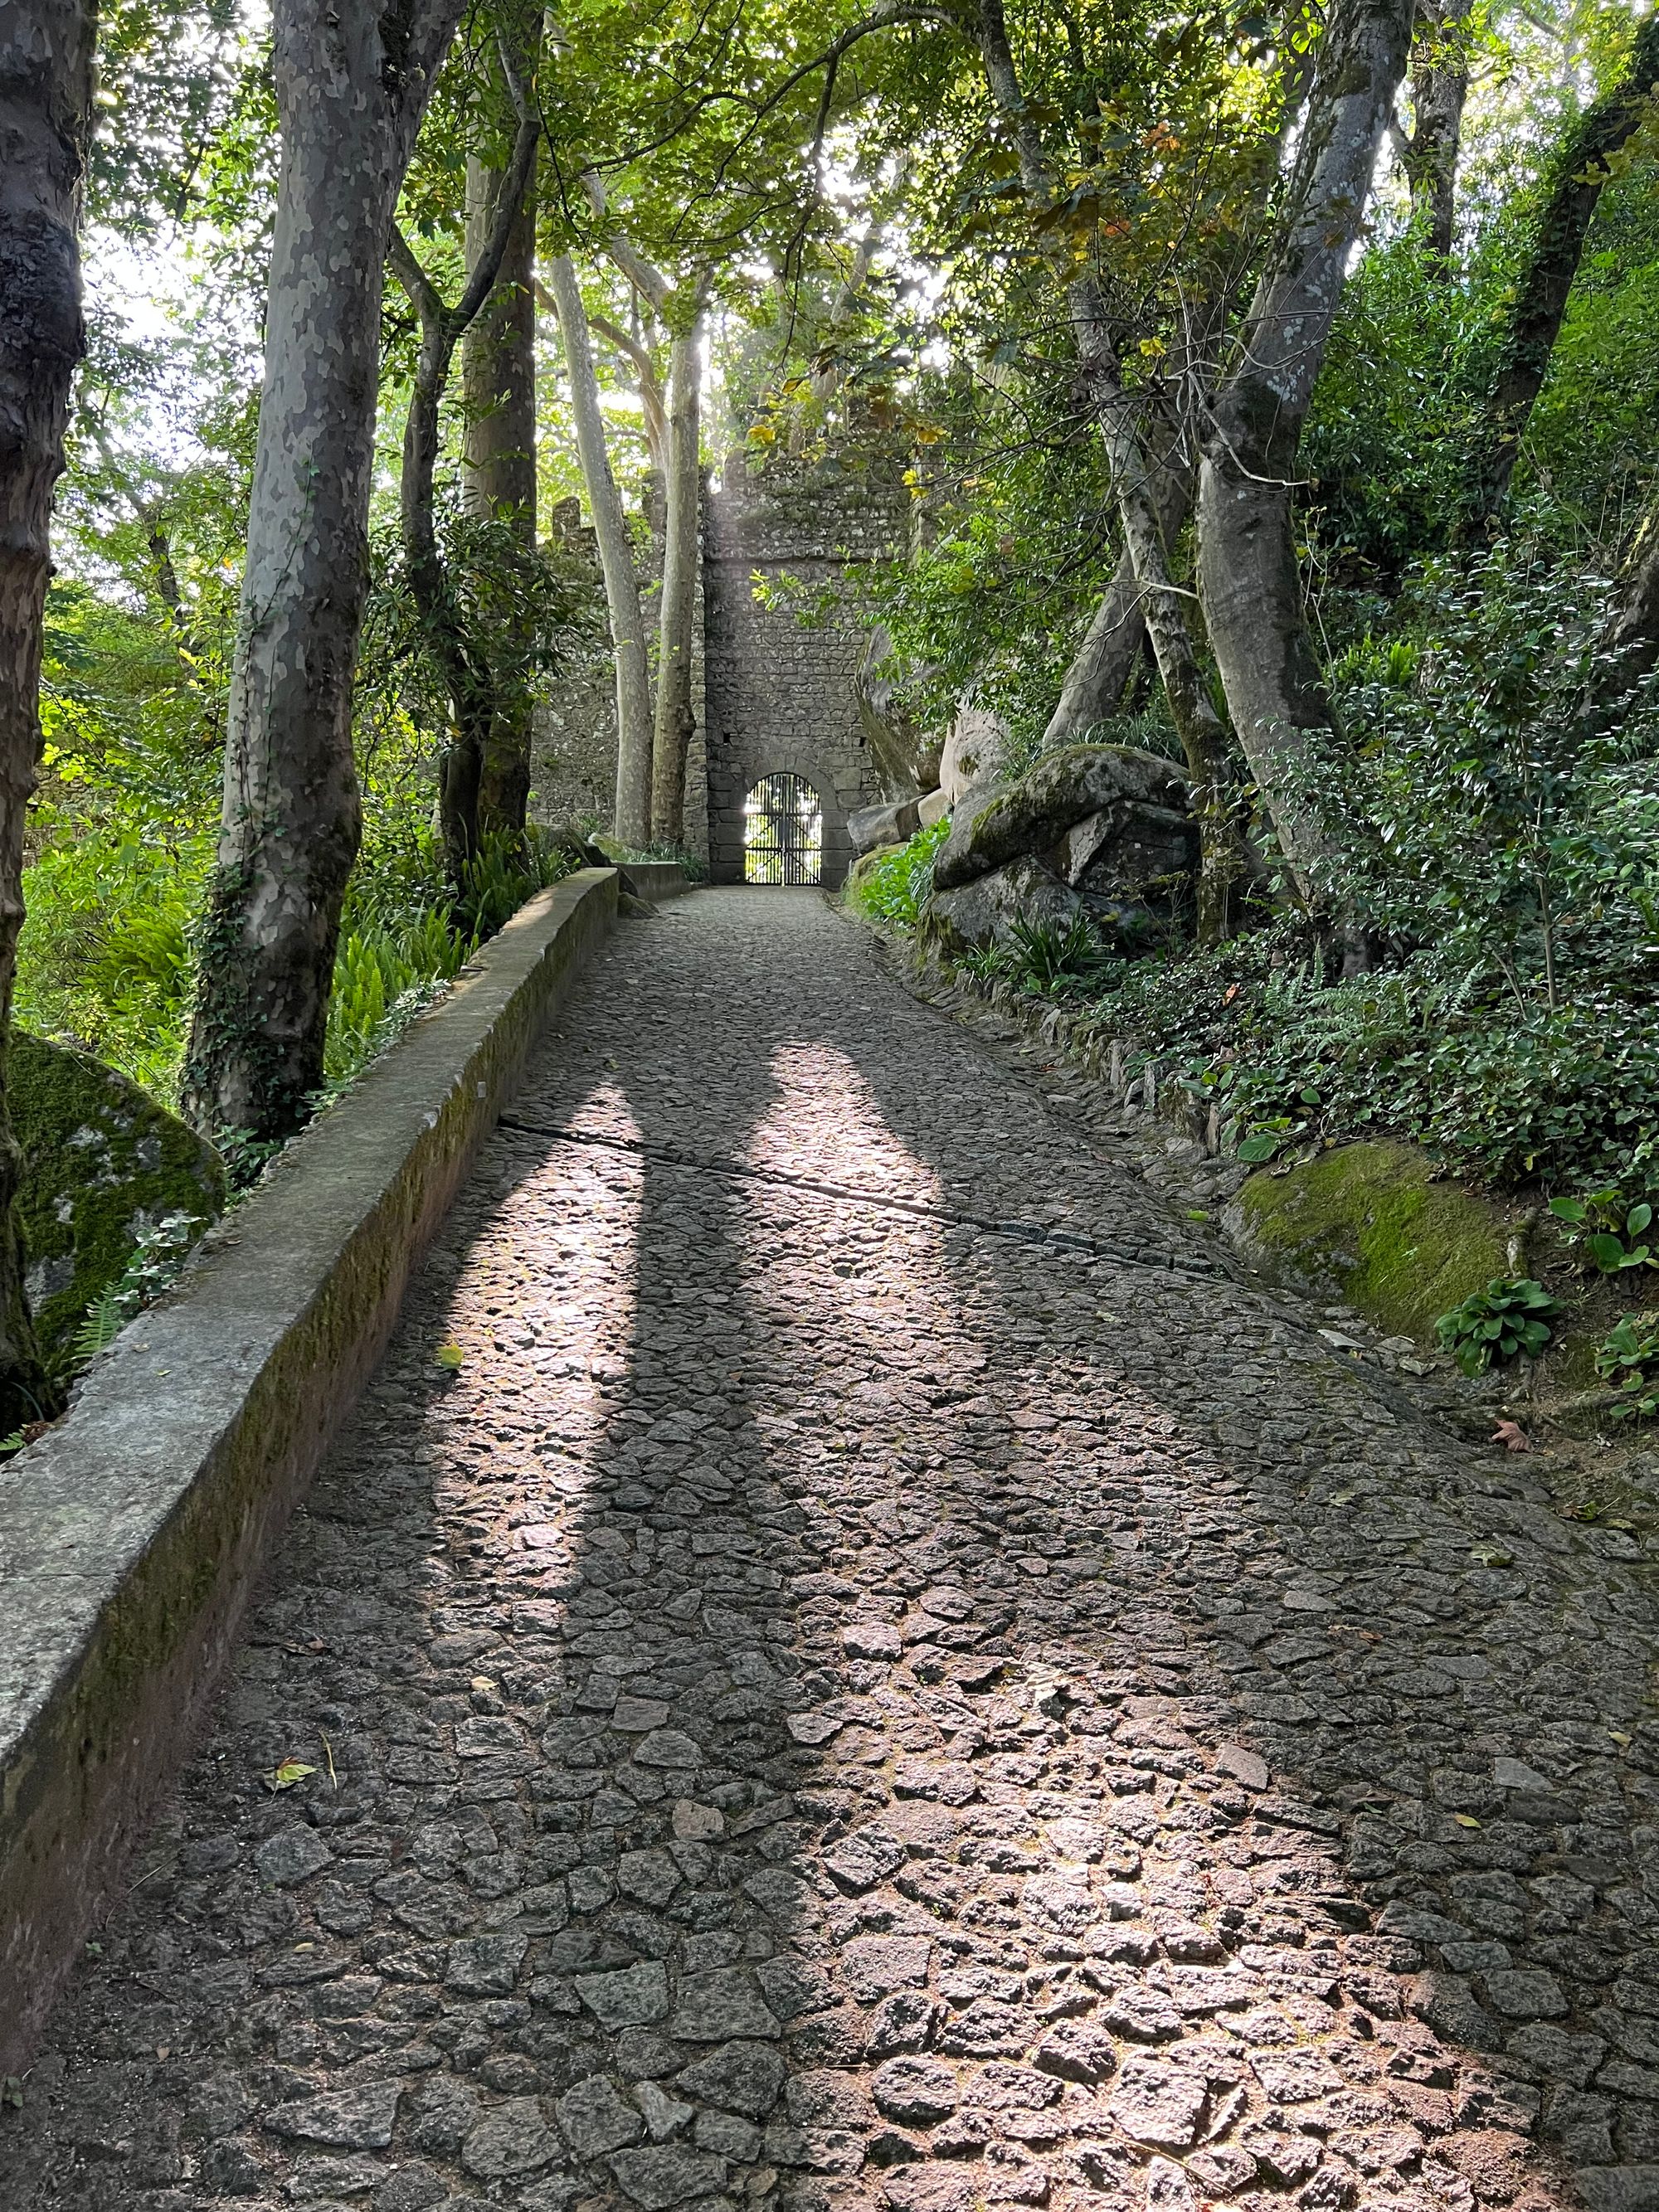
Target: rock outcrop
column 976, row 754
column 1101, row 831
column 102, row 1162
column 870, row 827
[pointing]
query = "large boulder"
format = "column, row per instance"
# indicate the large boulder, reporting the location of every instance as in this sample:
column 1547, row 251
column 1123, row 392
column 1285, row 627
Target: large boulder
column 102, row 1162
column 984, row 912
column 871, row 826
column 1107, row 819
column 905, row 758
column 976, row 754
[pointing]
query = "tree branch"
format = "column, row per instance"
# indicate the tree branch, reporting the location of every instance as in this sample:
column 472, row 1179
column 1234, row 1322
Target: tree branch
column 647, row 280
column 482, row 281
column 423, row 295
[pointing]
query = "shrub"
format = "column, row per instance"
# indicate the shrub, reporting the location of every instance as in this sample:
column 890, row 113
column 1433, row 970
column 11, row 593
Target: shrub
column 897, row 888
column 1509, row 1317
column 1628, row 1358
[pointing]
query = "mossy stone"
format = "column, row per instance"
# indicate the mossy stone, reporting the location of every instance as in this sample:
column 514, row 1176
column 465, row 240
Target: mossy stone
column 1371, row 1219
column 102, row 1160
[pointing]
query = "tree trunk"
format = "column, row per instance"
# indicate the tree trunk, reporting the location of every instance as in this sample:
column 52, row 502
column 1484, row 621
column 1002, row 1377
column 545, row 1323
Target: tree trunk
column 1440, row 85
column 1629, row 648
column 1572, row 188
column 463, row 659
column 1101, row 669
column 498, row 476
column 46, row 107
column 1138, row 480
column 351, row 86
column 1111, row 653
column 1247, row 570
column 622, row 585
column 676, row 720
column 653, row 411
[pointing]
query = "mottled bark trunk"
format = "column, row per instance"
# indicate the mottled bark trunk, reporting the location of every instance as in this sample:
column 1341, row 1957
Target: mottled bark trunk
column 463, row 658
column 1247, row 570
column 466, row 673
column 1099, row 675
column 45, row 107
column 1106, row 660
column 653, row 405
column 676, row 720
column 622, row 585
column 1571, row 190
column 498, row 476
column 351, row 86
column 1138, row 479
column 1630, row 637
column 1440, row 86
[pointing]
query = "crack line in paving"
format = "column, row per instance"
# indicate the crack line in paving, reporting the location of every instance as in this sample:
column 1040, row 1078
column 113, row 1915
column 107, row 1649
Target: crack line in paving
column 815, row 1724
column 1026, row 1232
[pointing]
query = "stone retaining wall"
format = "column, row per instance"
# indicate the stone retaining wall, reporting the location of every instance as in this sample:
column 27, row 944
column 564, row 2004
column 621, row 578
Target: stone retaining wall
column 132, row 1536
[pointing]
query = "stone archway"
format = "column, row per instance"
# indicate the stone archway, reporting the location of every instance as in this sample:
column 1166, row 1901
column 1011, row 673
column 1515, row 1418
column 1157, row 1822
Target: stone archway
column 783, row 831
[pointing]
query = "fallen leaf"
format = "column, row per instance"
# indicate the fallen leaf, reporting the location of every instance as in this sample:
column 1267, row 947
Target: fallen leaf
column 1465, row 1820
column 449, row 1355
column 286, row 1774
column 1620, row 1737
column 164, row 2050
column 1493, row 1555
column 1512, row 1436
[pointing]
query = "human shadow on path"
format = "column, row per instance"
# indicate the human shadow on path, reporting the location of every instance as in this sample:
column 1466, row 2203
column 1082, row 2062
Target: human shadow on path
column 826, row 1702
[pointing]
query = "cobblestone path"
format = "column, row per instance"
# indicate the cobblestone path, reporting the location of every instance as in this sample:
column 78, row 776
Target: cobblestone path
column 832, row 1704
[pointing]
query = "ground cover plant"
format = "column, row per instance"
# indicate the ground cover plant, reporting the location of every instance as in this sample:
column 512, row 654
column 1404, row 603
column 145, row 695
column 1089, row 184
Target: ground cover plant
column 1492, row 842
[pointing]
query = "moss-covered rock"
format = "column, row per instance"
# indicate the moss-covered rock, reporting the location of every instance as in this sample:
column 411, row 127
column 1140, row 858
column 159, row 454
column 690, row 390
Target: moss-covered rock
column 1371, row 1220
column 102, row 1162
column 1136, row 799
column 984, row 912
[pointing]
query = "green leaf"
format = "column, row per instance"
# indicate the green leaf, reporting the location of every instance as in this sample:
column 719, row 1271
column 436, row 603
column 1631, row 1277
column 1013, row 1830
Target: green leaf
column 1569, row 1209
column 1606, row 1251
column 1262, row 1146
column 284, row 1775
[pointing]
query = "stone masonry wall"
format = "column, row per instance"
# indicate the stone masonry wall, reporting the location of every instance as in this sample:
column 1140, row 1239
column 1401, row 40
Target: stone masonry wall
column 773, row 693
column 779, row 691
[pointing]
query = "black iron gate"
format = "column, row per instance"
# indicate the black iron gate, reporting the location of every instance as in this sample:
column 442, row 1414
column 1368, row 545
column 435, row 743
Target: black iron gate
column 782, row 832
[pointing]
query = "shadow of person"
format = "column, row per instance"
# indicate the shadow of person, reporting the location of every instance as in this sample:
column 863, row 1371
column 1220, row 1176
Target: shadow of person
column 1084, row 1716
column 825, row 1703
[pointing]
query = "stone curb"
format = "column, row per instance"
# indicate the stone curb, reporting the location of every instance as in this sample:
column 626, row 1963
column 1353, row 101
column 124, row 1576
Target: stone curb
column 655, row 880
column 131, row 1537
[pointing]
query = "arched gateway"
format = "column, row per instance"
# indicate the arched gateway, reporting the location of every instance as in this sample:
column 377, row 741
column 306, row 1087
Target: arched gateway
column 782, row 831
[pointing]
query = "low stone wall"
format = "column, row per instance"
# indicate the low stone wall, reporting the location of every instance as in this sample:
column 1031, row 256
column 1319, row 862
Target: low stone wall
column 132, row 1536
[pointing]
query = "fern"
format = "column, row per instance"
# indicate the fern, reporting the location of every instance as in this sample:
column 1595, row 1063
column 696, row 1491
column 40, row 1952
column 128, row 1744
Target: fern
column 102, row 1322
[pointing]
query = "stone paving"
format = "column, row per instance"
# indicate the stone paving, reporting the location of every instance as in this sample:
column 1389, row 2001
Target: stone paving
column 832, row 1705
